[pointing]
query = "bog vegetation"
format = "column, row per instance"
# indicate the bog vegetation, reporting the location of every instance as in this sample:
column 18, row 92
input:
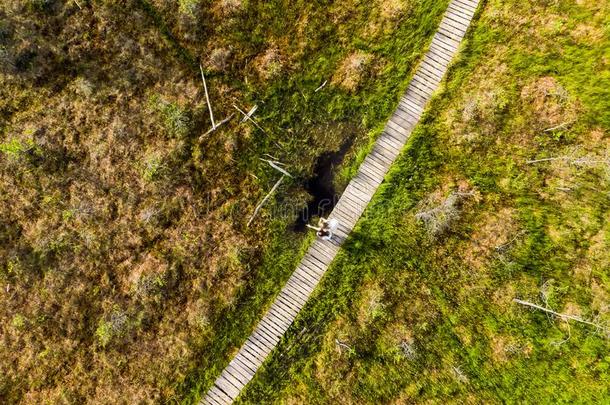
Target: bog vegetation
column 127, row 271
column 420, row 308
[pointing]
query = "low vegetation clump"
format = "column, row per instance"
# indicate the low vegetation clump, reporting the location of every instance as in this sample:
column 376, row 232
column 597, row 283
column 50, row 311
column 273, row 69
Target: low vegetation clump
column 127, row 270
column 508, row 302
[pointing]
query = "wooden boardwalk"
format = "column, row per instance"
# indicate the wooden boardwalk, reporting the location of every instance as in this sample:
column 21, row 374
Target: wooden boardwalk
column 350, row 207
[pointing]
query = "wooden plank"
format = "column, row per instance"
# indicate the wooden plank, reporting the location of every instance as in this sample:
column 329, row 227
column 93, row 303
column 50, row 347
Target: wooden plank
column 470, row 6
column 231, row 377
column 449, row 48
column 255, row 352
column 462, row 12
column 212, row 398
column 439, row 36
column 227, row 387
column 381, row 166
column 246, row 364
column 357, row 196
column 289, row 300
column 407, row 109
column 279, row 319
column 263, row 334
column 386, row 143
column 458, row 13
column 461, row 28
column 221, row 395
column 453, row 19
column 430, row 65
column 451, row 31
column 273, row 331
column 431, row 83
column 424, row 89
column 278, row 310
column 238, row 374
column 439, row 53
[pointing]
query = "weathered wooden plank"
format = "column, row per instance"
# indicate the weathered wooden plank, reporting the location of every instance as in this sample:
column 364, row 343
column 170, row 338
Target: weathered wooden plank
column 212, row 398
column 387, row 143
column 458, row 13
column 423, row 83
column 455, row 20
column 451, row 31
column 279, row 310
column 431, row 66
column 279, row 321
column 289, row 300
column 227, row 387
column 363, row 198
column 431, row 83
column 465, row 5
column 231, row 377
column 461, row 12
column 237, row 374
column 244, row 360
column 461, row 28
column 220, row 395
column 439, row 53
column 273, row 331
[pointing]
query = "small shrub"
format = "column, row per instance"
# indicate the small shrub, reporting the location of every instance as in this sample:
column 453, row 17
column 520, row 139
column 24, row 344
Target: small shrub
column 438, row 220
column 19, row 321
column 188, row 6
column 153, row 168
column 116, row 326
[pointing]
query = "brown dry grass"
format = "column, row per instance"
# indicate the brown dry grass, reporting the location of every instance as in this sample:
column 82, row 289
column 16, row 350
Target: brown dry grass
column 351, row 71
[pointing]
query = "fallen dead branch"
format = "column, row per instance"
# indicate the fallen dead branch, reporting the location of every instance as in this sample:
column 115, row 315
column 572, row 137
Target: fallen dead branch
column 249, row 114
column 207, row 98
column 276, row 166
column 342, row 345
column 217, row 126
column 564, row 317
column 248, row 117
column 321, row 86
column 581, row 161
column 560, row 126
column 260, row 205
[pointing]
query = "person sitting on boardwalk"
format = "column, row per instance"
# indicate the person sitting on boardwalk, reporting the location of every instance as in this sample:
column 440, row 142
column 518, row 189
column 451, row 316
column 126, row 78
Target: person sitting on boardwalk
column 325, row 228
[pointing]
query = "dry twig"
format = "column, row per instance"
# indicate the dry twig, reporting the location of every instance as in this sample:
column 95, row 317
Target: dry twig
column 260, row 205
column 321, row 86
column 565, row 317
column 207, row 98
column 248, row 117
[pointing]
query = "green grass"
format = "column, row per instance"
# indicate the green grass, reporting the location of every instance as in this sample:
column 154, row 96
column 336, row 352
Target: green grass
column 521, row 237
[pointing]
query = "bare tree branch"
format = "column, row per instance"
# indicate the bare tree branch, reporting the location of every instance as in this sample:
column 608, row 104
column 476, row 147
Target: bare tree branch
column 249, row 118
column 207, row 98
column 259, row 206
column 276, row 166
column 559, row 315
column 249, row 114
column 560, row 126
column 321, row 86
column 342, row 345
column 217, row 126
